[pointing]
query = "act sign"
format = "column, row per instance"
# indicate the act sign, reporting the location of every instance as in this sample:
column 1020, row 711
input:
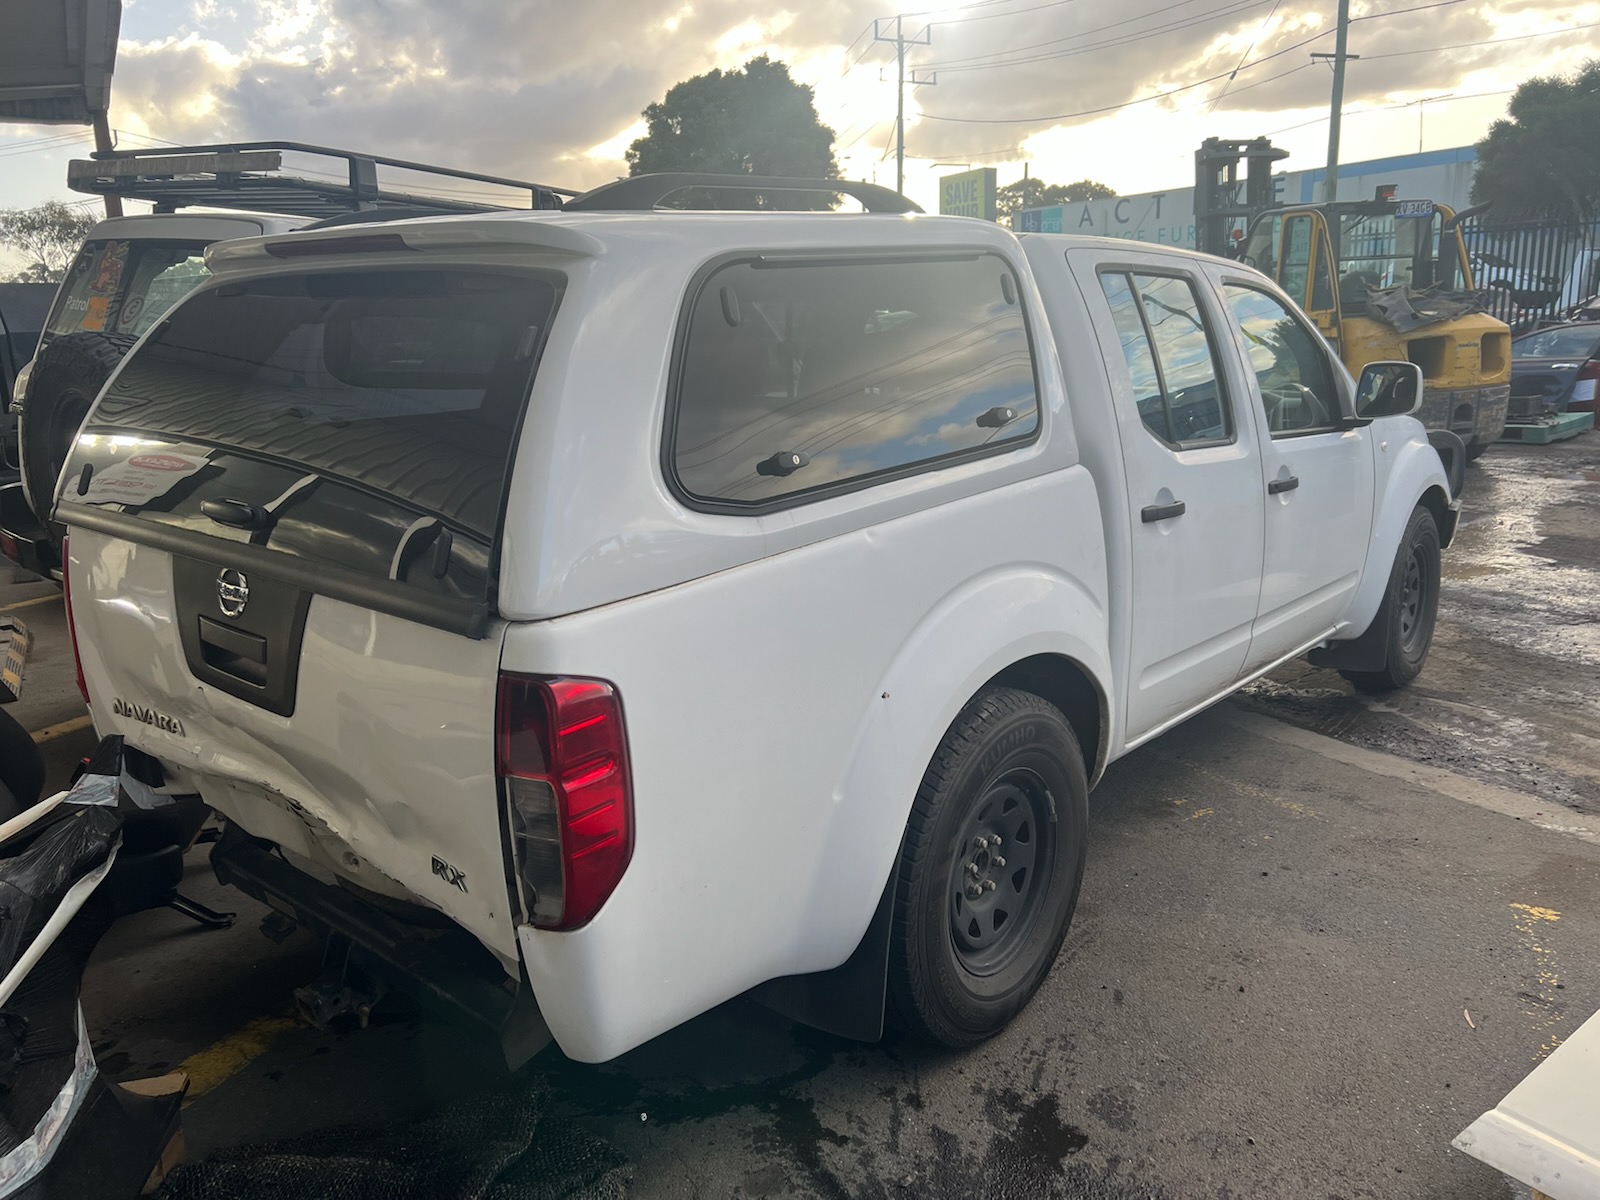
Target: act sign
column 969, row 194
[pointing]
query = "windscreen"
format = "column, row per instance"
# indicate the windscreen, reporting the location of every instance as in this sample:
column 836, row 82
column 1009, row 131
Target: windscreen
column 1382, row 250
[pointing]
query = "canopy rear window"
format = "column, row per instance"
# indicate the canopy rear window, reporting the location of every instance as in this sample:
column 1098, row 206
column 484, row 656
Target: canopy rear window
column 405, row 383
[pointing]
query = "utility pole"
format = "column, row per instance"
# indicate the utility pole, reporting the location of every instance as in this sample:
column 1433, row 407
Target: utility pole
column 900, row 42
column 1330, row 185
column 1421, row 108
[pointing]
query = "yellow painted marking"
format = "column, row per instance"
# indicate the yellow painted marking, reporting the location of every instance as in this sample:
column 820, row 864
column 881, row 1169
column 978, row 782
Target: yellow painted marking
column 218, row 1063
column 1538, row 914
column 51, row 732
column 1201, row 812
column 56, row 599
column 1546, row 974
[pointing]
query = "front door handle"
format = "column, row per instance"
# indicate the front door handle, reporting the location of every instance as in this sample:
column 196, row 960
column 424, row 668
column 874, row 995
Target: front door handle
column 1283, row 485
column 1162, row 512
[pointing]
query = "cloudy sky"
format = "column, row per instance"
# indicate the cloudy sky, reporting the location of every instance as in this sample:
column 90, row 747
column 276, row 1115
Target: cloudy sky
column 1118, row 90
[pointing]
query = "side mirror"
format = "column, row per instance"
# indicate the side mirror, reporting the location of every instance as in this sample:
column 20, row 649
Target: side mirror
column 1388, row 389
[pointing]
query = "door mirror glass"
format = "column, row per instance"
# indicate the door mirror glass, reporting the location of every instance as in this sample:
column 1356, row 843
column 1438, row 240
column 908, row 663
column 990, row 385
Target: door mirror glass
column 1389, row 389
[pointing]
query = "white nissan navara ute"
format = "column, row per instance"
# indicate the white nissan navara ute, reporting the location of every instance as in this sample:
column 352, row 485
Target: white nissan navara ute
column 586, row 617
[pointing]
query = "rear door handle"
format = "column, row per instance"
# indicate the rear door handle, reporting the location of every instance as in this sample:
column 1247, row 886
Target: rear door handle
column 1162, row 512
column 1283, row 485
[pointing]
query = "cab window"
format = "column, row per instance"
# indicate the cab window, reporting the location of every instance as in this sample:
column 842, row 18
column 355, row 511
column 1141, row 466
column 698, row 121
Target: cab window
column 1296, row 381
column 1171, row 358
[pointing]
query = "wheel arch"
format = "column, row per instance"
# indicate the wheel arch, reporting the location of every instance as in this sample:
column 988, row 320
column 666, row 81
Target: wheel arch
column 1057, row 650
column 1067, row 685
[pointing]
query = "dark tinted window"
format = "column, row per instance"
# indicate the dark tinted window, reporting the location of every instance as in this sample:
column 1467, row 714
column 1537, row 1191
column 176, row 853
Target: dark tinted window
column 1171, row 359
column 1290, row 364
column 409, row 384
column 1567, row 341
column 800, row 376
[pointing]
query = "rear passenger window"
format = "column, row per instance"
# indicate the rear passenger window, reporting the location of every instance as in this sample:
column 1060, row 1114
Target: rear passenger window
column 802, row 376
column 1171, row 358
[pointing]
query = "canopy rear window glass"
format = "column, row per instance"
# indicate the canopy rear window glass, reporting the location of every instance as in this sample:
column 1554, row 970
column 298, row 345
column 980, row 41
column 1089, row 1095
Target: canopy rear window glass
column 405, row 383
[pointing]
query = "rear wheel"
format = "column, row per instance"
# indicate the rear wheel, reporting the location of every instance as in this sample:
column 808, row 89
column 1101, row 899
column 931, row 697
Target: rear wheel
column 66, row 378
column 1412, row 603
column 989, row 870
column 1475, row 450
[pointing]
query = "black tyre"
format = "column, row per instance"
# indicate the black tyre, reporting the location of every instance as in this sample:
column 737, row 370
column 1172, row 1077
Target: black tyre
column 989, row 870
column 1475, row 450
column 1412, row 604
column 21, row 768
column 67, row 376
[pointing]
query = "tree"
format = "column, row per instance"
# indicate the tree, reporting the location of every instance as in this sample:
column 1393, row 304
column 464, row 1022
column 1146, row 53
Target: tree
column 1544, row 161
column 48, row 235
column 754, row 121
column 1036, row 193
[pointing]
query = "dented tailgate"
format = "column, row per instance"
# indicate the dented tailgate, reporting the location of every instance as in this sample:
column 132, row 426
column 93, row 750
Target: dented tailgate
column 284, row 516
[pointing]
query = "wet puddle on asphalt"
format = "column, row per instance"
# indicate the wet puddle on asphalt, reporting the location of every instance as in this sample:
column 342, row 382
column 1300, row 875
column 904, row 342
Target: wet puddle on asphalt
column 1509, row 693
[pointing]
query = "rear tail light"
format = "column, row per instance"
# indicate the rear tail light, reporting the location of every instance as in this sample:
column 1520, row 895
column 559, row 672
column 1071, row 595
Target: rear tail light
column 562, row 756
column 1583, row 391
column 72, row 627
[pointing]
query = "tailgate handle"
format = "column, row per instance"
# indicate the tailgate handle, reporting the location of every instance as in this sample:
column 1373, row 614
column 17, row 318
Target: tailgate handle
column 242, row 655
column 238, row 513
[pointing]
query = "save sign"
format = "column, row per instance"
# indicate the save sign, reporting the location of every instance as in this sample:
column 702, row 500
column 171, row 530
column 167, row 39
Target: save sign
column 969, row 194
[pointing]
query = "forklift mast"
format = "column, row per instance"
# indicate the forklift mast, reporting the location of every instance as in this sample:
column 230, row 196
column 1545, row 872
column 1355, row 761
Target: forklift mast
column 1217, row 188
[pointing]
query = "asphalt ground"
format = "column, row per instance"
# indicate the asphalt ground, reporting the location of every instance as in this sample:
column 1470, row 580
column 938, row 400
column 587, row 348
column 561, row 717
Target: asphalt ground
column 1317, row 937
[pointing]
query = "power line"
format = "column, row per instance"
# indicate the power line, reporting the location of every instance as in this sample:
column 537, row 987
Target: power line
column 1361, row 112
column 997, row 58
column 1088, row 112
column 1248, row 51
column 1398, row 12
column 1488, row 42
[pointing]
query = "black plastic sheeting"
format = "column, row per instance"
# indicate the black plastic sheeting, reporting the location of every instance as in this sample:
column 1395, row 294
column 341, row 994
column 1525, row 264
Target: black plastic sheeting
column 497, row 1145
column 1405, row 309
column 38, row 1031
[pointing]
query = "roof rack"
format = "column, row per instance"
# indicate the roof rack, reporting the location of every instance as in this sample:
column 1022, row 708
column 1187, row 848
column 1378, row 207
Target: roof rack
column 249, row 176
column 644, row 193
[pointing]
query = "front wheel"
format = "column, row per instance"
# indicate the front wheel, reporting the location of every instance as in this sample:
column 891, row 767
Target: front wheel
column 989, row 869
column 1412, row 605
column 1475, row 450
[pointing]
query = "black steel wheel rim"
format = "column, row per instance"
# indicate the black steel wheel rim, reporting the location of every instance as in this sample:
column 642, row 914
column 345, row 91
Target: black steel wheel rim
column 1000, row 876
column 1413, row 602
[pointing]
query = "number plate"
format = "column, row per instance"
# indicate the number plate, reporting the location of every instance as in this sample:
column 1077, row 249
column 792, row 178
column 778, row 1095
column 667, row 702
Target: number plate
column 1413, row 208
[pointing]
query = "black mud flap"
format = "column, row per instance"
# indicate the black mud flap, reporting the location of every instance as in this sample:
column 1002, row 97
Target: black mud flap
column 849, row 1000
column 1453, row 454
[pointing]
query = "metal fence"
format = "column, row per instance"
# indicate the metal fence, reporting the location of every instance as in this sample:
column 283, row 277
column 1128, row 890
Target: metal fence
column 1537, row 270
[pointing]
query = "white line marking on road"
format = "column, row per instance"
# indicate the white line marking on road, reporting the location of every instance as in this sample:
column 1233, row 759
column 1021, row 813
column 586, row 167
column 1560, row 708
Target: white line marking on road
column 1546, row 814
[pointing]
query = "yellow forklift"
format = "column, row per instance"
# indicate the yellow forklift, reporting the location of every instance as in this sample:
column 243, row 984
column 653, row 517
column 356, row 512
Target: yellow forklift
column 1385, row 278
